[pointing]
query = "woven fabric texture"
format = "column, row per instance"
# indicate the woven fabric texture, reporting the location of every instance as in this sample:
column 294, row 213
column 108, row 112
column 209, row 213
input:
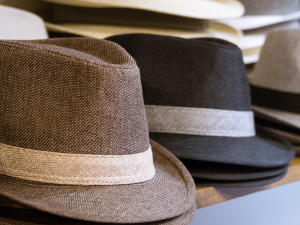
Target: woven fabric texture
column 75, row 169
column 279, row 72
column 241, row 183
column 84, row 96
column 12, row 213
column 204, row 73
column 169, row 194
column 200, row 121
column 61, row 89
column 229, row 172
column 265, row 150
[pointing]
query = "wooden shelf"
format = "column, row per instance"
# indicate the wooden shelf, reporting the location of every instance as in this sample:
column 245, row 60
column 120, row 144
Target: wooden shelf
column 212, row 195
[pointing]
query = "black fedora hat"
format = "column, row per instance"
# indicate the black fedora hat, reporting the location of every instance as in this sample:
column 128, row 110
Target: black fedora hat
column 198, row 101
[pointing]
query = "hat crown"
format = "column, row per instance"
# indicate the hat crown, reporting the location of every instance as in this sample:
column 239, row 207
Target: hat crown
column 270, row 7
column 73, row 95
column 201, row 73
column 278, row 67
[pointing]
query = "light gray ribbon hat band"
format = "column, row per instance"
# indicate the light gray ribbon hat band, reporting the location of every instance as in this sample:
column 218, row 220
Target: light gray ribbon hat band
column 200, row 121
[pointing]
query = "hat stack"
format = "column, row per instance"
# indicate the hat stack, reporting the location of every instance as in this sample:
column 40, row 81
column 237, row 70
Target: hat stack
column 104, row 18
column 260, row 18
column 275, row 85
column 74, row 141
column 18, row 24
column 198, row 106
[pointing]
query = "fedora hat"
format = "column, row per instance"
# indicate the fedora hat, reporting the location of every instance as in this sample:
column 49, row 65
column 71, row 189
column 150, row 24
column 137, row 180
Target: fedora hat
column 105, row 22
column 20, row 25
column 208, row 9
column 289, row 133
column 275, row 77
column 265, row 13
column 198, row 102
column 12, row 213
column 253, row 40
column 74, row 121
column 239, row 183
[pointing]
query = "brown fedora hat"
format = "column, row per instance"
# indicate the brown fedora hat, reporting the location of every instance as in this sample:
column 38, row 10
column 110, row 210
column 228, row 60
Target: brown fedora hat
column 74, row 135
column 13, row 213
column 274, row 81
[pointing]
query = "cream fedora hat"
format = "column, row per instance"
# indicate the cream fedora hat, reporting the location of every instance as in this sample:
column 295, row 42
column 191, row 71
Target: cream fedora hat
column 20, row 25
column 202, row 9
column 275, row 80
column 106, row 22
column 216, row 30
column 265, row 13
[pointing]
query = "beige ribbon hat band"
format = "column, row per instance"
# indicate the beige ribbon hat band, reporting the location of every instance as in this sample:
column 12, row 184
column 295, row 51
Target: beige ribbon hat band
column 200, row 121
column 75, row 169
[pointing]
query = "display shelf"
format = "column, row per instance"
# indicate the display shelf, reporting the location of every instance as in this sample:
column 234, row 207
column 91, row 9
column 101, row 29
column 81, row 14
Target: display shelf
column 212, row 195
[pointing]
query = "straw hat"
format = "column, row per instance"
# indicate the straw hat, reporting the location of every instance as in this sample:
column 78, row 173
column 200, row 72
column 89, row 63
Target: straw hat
column 20, row 25
column 74, row 120
column 105, row 22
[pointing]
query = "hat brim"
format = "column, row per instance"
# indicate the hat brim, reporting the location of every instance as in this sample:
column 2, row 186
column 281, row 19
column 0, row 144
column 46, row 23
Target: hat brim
column 27, row 26
column 265, row 150
column 169, row 194
column 228, row 172
column 293, row 138
column 251, row 55
column 12, row 213
column 241, row 183
column 258, row 21
column 278, row 116
column 192, row 8
column 216, row 30
column 297, row 148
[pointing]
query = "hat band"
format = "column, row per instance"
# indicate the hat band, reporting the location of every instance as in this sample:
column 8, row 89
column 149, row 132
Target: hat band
column 200, row 121
column 75, row 169
column 275, row 99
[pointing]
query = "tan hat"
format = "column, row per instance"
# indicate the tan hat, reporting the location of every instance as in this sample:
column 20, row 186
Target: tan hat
column 202, row 9
column 74, row 121
column 275, row 80
column 253, row 40
column 20, row 25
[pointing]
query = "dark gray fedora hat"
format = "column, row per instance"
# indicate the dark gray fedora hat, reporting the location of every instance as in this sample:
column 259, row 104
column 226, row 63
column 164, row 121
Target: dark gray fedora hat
column 198, row 101
column 228, row 172
column 73, row 118
column 240, row 183
column 13, row 213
